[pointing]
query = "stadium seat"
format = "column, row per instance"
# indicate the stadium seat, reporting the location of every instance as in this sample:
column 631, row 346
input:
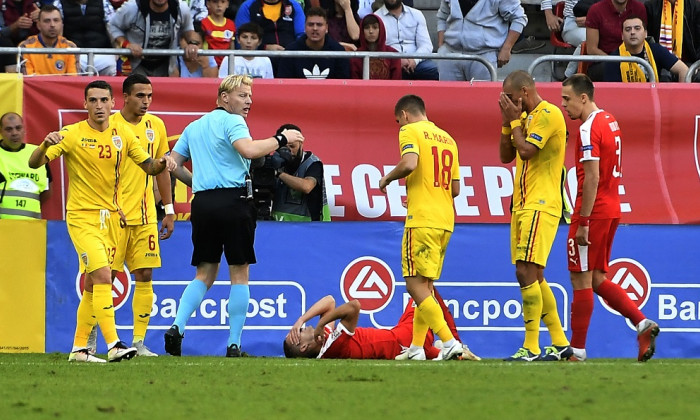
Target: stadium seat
column 583, row 65
column 558, row 43
column 555, row 36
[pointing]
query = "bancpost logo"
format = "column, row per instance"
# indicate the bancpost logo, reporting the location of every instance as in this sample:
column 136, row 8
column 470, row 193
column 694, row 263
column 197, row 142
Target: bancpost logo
column 121, row 287
column 633, row 278
column 273, row 305
column 477, row 306
column 370, row 281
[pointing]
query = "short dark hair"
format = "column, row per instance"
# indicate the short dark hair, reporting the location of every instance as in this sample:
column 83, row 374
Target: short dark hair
column 369, row 20
column 289, row 352
column 317, row 11
column 410, row 103
column 98, row 84
column 287, row 127
column 251, row 27
column 7, row 115
column 580, row 83
column 48, row 8
column 630, row 17
column 134, row 79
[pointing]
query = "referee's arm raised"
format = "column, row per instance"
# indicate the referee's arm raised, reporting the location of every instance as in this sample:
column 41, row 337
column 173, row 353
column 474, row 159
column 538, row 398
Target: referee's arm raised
column 252, row 149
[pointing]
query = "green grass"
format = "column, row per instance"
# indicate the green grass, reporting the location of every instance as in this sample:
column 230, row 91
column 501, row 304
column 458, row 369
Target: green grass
column 47, row 386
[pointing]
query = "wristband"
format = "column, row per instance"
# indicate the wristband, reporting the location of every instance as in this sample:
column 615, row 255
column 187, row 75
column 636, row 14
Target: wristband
column 125, row 44
column 506, row 130
column 281, row 140
column 584, row 221
column 515, row 124
column 169, row 209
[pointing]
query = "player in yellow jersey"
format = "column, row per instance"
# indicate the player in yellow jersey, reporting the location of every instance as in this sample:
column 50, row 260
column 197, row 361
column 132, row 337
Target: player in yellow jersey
column 94, row 151
column 138, row 247
column 537, row 143
column 430, row 164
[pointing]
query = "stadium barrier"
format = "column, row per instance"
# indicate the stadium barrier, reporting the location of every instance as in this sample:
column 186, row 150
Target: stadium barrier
column 691, row 71
column 365, row 55
column 594, row 58
column 358, row 260
column 350, row 125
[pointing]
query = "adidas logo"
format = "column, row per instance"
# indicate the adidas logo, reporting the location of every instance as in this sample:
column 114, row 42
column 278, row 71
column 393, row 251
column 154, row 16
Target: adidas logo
column 316, row 73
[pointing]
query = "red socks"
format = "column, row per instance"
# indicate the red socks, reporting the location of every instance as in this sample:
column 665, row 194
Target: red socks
column 619, row 301
column 581, row 311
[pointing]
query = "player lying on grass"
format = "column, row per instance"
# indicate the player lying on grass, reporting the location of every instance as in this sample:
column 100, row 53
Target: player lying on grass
column 348, row 341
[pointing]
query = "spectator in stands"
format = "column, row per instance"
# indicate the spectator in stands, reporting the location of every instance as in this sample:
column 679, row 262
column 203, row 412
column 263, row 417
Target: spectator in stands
column 85, row 23
column 282, row 21
column 8, row 62
column 218, row 30
column 407, row 32
column 151, row 24
column 20, row 19
column 680, row 36
column 199, row 66
column 198, row 11
column 488, row 28
column 373, row 38
column 249, row 38
column 364, row 7
column 604, row 29
column 572, row 27
column 634, row 43
column 316, row 38
column 343, row 22
column 50, row 26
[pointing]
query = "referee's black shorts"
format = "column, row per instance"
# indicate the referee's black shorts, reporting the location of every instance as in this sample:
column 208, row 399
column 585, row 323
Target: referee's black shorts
column 223, row 220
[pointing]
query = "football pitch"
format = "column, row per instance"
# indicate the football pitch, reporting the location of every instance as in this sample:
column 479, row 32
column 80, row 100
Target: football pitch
column 47, row 386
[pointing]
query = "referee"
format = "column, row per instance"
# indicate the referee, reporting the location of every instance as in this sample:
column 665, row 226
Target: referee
column 223, row 219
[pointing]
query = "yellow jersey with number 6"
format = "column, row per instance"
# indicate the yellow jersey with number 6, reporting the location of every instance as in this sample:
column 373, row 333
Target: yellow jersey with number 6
column 138, row 201
column 95, row 160
column 429, row 186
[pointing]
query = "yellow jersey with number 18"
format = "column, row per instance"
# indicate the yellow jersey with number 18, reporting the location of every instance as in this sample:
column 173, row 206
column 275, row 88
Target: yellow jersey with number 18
column 136, row 191
column 95, row 160
column 429, row 186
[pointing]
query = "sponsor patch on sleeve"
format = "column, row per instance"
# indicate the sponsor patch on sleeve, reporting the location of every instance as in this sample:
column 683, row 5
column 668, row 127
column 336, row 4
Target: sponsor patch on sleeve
column 406, row 147
column 535, row 136
column 586, row 147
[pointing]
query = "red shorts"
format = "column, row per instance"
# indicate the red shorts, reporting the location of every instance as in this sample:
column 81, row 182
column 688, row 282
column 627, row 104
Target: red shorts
column 404, row 332
column 596, row 255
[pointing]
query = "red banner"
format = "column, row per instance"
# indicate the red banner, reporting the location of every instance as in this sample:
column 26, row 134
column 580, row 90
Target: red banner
column 350, row 125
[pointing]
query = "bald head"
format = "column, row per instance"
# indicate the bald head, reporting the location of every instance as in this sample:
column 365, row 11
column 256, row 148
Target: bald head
column 12, row 129
column 519, row 79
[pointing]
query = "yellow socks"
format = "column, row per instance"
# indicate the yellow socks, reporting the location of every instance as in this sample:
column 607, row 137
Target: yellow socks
column 420, row 329
column 103, row 306
column 550, row 316
column 532, row 311
column 85, row 321
column 141, row 306
column 430, row 313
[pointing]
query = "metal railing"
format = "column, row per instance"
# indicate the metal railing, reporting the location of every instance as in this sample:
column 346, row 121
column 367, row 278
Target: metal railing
column 364, row 55
column 691, row 71
column 603, row 58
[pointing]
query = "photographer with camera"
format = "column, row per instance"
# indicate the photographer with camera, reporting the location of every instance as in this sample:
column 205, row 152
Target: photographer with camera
column 299, row 192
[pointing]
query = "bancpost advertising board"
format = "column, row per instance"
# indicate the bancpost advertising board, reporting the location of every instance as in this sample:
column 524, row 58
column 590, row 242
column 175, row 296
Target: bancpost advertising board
column 299, row 263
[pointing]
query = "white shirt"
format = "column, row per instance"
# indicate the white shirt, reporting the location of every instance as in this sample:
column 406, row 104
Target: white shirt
column 258, row 67
column 408, row 33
